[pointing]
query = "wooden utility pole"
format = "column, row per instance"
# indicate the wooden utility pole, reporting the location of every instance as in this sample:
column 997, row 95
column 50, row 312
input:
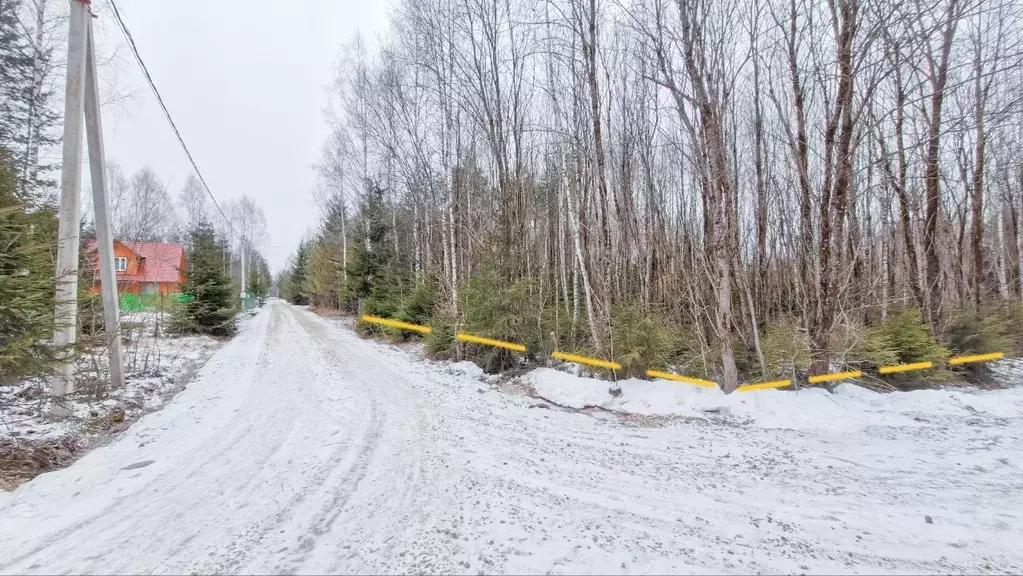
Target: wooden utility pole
column 82, row 102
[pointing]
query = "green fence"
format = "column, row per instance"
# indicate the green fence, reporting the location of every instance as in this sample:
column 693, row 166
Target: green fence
column 249, row 301
column 140, row 302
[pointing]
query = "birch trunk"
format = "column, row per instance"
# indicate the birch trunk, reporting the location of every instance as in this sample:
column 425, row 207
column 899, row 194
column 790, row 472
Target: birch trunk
column 1002, row 269
column 451, row 248
column 573, row 220
column 562, row 214
column 1019, row 246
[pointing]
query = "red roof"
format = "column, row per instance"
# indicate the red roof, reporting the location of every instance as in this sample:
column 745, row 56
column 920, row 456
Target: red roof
column 160, row 264
column 161, row 260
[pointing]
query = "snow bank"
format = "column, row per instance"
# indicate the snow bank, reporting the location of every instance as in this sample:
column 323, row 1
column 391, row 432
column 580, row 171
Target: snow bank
column 850, row 407
column 465, row 368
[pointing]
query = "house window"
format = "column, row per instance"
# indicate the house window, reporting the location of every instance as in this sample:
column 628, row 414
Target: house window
column 120, row 264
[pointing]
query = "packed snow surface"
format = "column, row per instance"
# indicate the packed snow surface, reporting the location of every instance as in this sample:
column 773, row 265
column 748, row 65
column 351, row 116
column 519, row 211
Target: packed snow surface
column 301, row 448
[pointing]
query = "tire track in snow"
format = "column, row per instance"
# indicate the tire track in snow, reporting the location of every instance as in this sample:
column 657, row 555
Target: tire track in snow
column 332, row 466
column 250, row 543
column 343, row 484
column 394, row 514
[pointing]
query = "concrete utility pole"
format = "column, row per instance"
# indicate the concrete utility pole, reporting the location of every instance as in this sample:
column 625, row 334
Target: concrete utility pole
column 66, row 313
column 241, row 246
column 82, row 102
column 104, row 238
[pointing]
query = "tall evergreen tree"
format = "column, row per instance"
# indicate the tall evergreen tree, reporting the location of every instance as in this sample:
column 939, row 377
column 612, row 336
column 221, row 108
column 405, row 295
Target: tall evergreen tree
column 209, row 306
column 15, row 78
column 297, row 277
column 259, row 280
column 26, row 282
column 371, row 254
column 27, row 120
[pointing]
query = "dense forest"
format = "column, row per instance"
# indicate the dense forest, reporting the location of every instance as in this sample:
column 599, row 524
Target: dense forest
column 734, row 189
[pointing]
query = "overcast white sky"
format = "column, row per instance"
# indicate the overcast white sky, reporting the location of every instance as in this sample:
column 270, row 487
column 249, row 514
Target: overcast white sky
column 246, row 85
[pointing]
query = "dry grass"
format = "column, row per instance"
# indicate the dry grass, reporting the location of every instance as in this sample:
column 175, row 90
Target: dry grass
column 21, row 461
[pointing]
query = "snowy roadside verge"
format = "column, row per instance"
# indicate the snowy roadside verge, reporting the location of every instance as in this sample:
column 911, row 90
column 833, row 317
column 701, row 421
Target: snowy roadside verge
column 158, row 366
column 848, row 408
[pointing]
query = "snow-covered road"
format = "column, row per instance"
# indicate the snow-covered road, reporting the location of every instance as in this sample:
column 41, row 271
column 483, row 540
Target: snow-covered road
column 302, row 448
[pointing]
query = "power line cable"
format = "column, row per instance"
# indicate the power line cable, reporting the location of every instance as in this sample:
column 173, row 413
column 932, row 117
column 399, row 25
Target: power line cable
column 166, row 113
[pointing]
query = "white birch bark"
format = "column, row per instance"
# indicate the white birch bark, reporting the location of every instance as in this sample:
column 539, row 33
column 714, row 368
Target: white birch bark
column 562, row 214
column 1019, row 250
column 573, row 220
column 1002, row 269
